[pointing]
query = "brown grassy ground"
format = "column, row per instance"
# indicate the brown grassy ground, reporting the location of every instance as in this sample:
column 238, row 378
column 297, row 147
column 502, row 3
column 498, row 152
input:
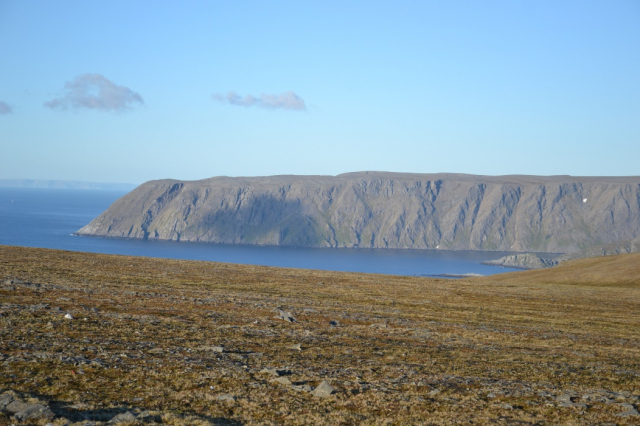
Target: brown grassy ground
column 507, row 349
column 613, row 271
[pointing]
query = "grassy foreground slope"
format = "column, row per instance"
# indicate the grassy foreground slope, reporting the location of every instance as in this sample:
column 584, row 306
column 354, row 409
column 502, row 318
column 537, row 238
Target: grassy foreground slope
column 186, row 342
column 611, row 271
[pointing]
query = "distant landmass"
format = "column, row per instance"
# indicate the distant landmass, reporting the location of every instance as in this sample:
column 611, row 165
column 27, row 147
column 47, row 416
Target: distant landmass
column 64, row 184
column 542, row 214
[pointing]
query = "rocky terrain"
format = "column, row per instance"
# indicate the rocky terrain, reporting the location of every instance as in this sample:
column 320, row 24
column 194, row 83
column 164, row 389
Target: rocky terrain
column 556, row 214
column 88, row 339
column 523, row 261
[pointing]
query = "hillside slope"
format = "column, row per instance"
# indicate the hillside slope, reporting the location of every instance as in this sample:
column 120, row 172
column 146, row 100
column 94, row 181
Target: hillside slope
column 621, row 270
column 383, row 210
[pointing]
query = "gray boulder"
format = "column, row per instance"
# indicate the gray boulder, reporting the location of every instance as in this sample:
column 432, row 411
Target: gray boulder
column 34, row 412
column 126, row 417
column 6, row 399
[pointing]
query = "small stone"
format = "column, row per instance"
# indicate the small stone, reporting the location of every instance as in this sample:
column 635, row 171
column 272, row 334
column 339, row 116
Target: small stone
column 296, row 347
column 323, row 390
column 225, row 397
column 217, row 349
column 285, row 315
column 302, row 388
column 334, row 323
column 69, row 316
column 276, row 372
column 155, row 351
column 564, row 400
column 126, row 417
column 378, row 325
column 491, row 395
column 281, row 380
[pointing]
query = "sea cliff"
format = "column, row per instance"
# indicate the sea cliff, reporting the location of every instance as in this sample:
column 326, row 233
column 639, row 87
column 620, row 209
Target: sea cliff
column 557, row 214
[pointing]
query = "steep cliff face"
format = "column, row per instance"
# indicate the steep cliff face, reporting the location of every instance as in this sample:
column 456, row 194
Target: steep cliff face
column 383, row 210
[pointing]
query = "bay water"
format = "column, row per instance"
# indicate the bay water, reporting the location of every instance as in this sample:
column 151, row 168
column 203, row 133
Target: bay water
column 47, row 218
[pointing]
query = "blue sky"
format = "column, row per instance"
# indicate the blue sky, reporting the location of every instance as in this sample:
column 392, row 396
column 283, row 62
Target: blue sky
column 121, row 91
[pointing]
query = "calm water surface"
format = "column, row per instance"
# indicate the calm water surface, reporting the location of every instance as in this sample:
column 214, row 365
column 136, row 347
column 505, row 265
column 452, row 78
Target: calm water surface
column 47, row 218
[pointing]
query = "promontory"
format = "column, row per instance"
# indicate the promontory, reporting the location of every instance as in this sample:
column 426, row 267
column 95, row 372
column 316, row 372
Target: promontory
column 555, row 214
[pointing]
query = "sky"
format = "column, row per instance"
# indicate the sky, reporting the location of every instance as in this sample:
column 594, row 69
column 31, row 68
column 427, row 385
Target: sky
column 121, row 91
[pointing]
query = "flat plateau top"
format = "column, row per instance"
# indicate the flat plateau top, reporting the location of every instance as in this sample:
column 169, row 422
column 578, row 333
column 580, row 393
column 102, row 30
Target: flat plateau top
column 412, row 177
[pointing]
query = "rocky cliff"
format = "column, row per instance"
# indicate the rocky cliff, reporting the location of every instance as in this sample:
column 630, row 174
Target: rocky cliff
column 383, row 210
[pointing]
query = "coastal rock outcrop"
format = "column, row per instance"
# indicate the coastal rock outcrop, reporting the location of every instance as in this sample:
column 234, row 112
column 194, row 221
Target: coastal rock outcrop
column 533, row 261
column 554, row 214
column 522, row 261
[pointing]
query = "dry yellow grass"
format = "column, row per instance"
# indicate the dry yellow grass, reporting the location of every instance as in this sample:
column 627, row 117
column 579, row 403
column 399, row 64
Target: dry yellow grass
column 612, row 271
column 401, row 350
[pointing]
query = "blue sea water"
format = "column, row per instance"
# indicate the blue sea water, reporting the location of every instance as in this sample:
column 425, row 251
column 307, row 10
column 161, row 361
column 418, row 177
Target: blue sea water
column 47, row 218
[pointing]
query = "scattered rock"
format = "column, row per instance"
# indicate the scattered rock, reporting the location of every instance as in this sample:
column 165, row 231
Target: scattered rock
column 281, row 380
column 147, row 417
column 276, row 372
column 323, row 390
column 285, row 316
column 34, row 412
column 302, row 388
column 334, row 323
column 69, row 316
column 217, row 349
column 296, row 347
column 631, row 411
column 565, row 400
column 126, row 417
column 6, row 399
column 155, row 351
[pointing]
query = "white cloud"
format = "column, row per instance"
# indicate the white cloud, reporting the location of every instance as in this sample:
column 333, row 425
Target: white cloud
column 286, row 100
column 94, row 91
column 5, row 108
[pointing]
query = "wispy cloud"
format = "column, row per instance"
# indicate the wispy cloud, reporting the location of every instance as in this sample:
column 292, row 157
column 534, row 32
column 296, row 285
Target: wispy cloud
column 5, row 108
column 94, row 91
column 286, row 100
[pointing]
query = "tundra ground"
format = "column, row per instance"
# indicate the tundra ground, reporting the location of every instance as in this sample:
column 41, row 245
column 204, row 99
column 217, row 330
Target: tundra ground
column 187, row 342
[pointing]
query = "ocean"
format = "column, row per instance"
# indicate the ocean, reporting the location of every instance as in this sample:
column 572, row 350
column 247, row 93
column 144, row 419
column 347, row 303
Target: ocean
column 47, row 218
